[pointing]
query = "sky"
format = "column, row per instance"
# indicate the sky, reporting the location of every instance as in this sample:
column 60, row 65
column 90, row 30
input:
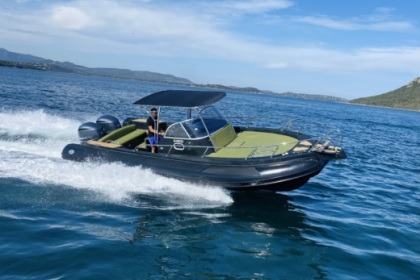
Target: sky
column 342, row 48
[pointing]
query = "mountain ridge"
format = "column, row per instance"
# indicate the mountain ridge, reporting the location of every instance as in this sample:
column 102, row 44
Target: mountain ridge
column 7, row 59
column 27, row 61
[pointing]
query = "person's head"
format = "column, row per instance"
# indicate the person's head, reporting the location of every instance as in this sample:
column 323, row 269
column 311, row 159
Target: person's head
column 153, row 112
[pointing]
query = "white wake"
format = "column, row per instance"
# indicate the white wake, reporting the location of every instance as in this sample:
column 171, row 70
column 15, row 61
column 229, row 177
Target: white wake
column 30, row 149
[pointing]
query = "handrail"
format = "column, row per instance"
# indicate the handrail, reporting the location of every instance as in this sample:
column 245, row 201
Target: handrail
column 327, row 140
column 306, row 145
column 291, row 124
column 310, row 144
column 256, row 150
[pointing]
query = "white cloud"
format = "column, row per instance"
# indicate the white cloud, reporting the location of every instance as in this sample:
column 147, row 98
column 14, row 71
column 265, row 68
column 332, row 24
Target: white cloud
column 72, row 18
column 256, row 6
column 365, row 59
column 130, row 24
column 381, row 19
column 356, row 24
column 173, row 31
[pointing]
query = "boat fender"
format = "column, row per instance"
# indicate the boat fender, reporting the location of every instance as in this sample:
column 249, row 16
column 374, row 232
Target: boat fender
column 109, row 123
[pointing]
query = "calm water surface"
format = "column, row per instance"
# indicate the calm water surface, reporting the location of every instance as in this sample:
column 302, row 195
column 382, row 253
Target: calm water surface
column 358, row 219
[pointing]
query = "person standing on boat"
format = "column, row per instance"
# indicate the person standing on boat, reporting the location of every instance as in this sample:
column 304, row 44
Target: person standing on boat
column 153, row 130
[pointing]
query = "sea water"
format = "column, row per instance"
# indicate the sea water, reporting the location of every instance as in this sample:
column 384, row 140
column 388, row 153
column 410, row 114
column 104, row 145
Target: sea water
column 358, row 219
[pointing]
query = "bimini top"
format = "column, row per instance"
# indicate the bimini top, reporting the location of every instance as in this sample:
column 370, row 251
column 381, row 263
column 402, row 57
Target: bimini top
column 181, row 98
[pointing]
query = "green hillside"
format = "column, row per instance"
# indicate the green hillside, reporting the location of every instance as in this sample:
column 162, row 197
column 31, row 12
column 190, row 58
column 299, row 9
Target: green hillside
column 406, row 97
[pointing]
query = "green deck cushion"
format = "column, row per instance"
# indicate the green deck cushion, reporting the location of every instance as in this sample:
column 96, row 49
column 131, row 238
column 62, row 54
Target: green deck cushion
column 104, row 144
column 142, row 146
column 131, row 136
column 223, row 137
column 245, row 142
column 118, row 133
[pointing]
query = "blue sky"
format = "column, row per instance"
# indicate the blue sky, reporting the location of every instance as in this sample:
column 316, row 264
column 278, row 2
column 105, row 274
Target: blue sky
column 343, row 48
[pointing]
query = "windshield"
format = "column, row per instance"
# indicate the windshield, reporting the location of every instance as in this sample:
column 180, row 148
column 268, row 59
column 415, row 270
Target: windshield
column 212, row 119
column 195, row 128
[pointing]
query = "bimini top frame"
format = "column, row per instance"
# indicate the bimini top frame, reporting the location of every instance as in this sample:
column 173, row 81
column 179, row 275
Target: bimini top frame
column 181, row 98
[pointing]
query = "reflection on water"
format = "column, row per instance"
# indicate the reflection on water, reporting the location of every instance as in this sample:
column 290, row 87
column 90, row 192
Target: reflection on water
column 257, row 229
column 266, row 212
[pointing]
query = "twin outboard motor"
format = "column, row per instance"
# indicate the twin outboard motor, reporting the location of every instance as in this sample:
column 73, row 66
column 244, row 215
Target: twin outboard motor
column 94, row 131
column 90, row 131
column 109, row 123
column 128, row 121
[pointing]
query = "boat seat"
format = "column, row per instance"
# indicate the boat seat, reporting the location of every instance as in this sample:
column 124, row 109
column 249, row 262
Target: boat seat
column 302, row 146
column 223, row 137
column 118, row 133
column 138, row 133
column 145, row 145
column 305, row 143
column 129, row 136
column 247, row 142
column 104, row 144
column 139, row 120
column 132, row 139
column 300, row 149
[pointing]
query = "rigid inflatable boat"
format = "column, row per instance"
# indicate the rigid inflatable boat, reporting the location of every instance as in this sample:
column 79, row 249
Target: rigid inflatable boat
column 204, row 147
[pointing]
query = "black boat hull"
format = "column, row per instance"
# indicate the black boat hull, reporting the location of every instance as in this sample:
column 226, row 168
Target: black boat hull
column 279, row 173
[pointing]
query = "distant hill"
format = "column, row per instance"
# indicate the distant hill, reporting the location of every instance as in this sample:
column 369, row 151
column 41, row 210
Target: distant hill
column 18, row 57
column 405, row 97
column 26, row 61
column 285, row 94
column 11, row 59
column 313, row 96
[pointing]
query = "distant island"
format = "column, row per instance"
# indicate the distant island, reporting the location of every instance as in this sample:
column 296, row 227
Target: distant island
column 27, row 61
column 405, row 97
column 313, row 96
column 11, row 59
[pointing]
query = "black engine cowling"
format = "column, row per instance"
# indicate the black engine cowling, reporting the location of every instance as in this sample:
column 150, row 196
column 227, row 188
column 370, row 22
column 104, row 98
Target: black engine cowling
column 90, row 131
column 94, row 131
column 109, row 123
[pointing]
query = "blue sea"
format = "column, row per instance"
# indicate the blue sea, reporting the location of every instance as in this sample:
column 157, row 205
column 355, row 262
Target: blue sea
column 358, row 219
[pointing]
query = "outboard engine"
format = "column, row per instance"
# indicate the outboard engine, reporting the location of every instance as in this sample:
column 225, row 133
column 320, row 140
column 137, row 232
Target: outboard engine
column 128, row 121
column 109, row 123
column 90, row 131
